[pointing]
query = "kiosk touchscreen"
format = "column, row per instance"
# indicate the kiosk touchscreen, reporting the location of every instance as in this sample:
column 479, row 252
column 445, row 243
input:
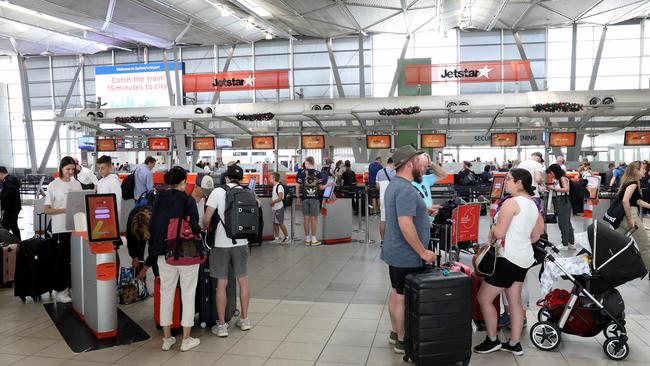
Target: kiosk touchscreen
column 101, row 216
column 498, row 184
column 251, row 183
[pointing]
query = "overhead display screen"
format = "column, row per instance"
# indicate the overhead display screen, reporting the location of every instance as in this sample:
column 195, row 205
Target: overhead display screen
column 86, row 142
column 562, row 139
column 313, row 142
column 203, row 143
column 101, row 216
column 158, row 144
column 263, row 142
column 504, row 140
column 106, row 145
column 433, row 140
column 637, row 138
column 378, row 141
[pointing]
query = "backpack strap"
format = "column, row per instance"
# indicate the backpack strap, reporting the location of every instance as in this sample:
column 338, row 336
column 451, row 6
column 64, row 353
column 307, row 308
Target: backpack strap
column 226, row 188
column 387, row 176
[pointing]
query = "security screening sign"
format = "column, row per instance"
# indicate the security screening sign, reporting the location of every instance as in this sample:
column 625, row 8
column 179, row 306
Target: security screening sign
column 236, row 81
column 474, row 72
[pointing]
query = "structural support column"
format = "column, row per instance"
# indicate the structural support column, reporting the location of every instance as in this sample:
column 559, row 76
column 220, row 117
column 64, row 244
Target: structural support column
column 573, row 152
column 168, row 78
column 599, row 54
column 522, row 54
column 64, row 108
column 398, row 69
column 231, row 51
column 27, row 112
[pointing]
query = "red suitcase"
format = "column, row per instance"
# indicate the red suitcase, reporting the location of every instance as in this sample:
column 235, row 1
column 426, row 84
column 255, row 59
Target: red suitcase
column 176, row 316
column 477, row 315
column 8, row 265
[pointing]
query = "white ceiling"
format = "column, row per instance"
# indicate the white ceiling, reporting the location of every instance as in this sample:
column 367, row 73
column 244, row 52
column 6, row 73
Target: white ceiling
column 93, row 26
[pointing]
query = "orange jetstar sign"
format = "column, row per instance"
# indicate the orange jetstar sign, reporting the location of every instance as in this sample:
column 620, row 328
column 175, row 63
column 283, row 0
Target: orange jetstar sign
column 236, row 81
column 474, row 72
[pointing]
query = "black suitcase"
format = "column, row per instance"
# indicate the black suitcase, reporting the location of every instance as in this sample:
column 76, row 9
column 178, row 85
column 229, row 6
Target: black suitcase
column 438, row 320
column 34, row 268
column 206, row 301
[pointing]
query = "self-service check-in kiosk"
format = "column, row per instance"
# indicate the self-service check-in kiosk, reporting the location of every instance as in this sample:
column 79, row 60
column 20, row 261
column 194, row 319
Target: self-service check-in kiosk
column 335, row 221
column 94, row 267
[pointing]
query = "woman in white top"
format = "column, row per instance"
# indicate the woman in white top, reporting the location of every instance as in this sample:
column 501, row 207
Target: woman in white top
column 518, row 225
column 55, row 205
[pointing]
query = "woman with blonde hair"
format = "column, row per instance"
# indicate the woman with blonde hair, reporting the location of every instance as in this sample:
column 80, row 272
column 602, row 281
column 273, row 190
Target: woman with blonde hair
column 631, row 197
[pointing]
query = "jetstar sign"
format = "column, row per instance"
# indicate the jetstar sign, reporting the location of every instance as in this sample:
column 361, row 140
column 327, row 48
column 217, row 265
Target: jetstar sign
column 236, row 81
column 483, row 72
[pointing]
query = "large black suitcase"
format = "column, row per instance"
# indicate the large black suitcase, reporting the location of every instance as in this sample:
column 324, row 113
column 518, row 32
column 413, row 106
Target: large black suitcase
column 206, row 301
column 34, row 268
column 438, row 320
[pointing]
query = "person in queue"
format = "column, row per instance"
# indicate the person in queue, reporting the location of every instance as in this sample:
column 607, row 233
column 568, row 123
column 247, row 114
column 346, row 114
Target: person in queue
column 384, row 176
column 338, row 172
column 373, row 169
column 534, row 166
column 55, row 205
column 227, row 254
column 10, row 201
column 170, row 204
column 277, row 207
column 465, row 172
column 559, row 160
column 312, row 183
column 518, row 225
column 562, row 204
column 110, row 184
column 349, row 181
column 428, row 180
column 486, row 176
column 85, row 176
column 617, row 174
column 632, row 199
column 407, row 232
column 144, row 177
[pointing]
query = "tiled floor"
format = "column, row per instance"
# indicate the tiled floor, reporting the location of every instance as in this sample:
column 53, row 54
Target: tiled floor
column 310, row 306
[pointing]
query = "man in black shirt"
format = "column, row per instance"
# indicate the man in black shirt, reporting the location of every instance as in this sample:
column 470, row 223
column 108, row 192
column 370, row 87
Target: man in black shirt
column 10, row 201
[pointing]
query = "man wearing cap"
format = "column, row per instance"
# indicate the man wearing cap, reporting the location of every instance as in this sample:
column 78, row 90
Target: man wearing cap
column 407, row 229
column 536, row 170
column 225, row 252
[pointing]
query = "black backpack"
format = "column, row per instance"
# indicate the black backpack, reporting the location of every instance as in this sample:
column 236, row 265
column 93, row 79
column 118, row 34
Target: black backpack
column 469, row 180
column 241, row 215
column 310, row 186
column 287, row 197
column 128, row 187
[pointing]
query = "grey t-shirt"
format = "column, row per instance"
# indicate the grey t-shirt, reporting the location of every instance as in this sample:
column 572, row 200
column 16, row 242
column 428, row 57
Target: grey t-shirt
column 402, row 199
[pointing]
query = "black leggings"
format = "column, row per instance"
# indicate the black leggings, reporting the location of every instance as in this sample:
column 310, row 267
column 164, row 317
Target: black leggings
column 10, row 222
column 62, row 268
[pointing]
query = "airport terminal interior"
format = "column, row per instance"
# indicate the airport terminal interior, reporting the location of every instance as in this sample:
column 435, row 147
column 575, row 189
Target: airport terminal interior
column 325, row 182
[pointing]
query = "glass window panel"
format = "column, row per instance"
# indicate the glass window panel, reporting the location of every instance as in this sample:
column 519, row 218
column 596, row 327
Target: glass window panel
column 480, row 38
column 20, row 160
column 271, row 95
column 558, row 84
column 559, row 34
column 646, row 65
column 75, row 102
column 473, row 88
column 272, row 62
column 309, row 77
column 38, row 75
column 41, row 103
column 617, row 82
column 321, row 91
column 237, row 96
column 559, row 50
column 619, row 66
column 39, row 90
column 385, row 57
column 309, row 45
column 480, row 53
column 197, row 52
column 64, row 73
column 627, row 31
column 155, row 55
column 512, row 87
column 585, row 34
column 383, row 74
column 101, row 58
column 237, row 64
column 348, row 58
column 89, row 72
column 125, row 57
column 388, row 41
column 345, row 43
column 444, row 89
column 43, row 131
column 61, row 88
column 199, row 66
column 533, row 51
column 538, row 68
column 271, row 47
column 646, row 43
column 38, row 62
column 382, row 89
column 585, row 49
column 242, row 49
column 527, row 36
column 621, row 48
column 18, row 134
column 311, row 60
column 349, row 75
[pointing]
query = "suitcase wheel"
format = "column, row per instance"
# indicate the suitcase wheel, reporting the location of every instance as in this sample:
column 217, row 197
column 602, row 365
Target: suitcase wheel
column 203, row 325
column 405, row 358
column 23, row 298
column 466, row 362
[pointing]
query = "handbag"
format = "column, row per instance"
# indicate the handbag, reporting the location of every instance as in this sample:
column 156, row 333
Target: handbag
column 485, row 259
column 615, row 213
column 184, row 247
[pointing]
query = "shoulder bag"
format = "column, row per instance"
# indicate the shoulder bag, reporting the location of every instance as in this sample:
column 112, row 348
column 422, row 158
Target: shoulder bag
column 485, row 259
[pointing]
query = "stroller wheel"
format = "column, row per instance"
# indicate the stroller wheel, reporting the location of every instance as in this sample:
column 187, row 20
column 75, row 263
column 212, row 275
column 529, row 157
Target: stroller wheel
column 613, row 331
column 615, row 349
column 545, row 336
column 543, row 315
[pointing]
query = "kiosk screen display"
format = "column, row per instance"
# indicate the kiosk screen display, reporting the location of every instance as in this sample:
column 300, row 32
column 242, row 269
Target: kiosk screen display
column 498, row 183
column 101, row 216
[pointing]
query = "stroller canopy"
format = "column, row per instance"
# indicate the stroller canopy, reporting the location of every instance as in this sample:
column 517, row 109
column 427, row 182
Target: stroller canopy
column 615, row 258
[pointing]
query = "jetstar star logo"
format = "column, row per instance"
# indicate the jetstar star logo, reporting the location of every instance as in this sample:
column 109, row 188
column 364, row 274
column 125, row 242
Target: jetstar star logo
column 466, row 73
column 247, row 81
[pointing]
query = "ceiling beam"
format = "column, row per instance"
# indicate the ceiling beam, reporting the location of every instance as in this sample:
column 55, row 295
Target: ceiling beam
column 202, row 126
column 109, row 14
column 585, row 12
column 347, row 12
column 566, row 17
column 496, row 15
column 182, row 33
column 318, row 122
column 524, row 14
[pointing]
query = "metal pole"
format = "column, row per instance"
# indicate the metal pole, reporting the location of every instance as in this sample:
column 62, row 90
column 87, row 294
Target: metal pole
column 168, row 78
column 293, row 221
column 599, row 53
column 231, row 50
column 27, row 112
column 368, row 242
column 398, row 69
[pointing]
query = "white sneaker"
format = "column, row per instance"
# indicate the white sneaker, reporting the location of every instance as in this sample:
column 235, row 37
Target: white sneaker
column 189, row 343
column 168, row 343
column 220, row 330
column 572, row 247
column 307, row 242
column 63, row 298
column 315, row 243
column 244, row 324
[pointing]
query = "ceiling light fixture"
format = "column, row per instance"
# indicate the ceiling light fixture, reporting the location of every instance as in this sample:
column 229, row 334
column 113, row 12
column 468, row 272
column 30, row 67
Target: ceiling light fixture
column 249, row 25
column 10, row 6
column 268, row 36
column 255, row 8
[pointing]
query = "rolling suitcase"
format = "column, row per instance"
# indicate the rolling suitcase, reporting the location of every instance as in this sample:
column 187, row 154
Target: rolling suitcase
column 437, row 321
column 206, row 304
column 176, row 315
column 34, row 268
column 477, row 315
column 8, row 264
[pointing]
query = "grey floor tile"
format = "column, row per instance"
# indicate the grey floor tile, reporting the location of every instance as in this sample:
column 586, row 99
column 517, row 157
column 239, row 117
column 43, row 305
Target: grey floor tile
column 348, row 338
column 345, row 354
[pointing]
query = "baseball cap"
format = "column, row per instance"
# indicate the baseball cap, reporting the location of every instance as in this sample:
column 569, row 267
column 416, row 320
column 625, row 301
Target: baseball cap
column 539, row 155
column 235, row 171
column 404, row 154
column 205, row 182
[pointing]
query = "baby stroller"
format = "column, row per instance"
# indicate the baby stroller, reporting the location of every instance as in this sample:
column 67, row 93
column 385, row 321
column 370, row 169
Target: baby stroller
column 593, row 305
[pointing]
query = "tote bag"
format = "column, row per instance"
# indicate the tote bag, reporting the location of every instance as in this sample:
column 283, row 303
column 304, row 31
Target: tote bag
column 485, row 259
